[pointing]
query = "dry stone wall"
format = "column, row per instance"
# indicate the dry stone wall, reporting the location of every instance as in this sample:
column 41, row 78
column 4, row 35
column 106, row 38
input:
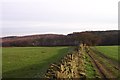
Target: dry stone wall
column 71, row 66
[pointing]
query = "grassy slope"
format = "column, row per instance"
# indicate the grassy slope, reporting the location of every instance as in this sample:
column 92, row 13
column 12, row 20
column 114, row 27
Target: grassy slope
column 110, row 51
column 30, row 61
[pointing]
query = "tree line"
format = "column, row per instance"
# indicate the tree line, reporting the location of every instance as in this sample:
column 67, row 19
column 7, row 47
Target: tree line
column 73, row 39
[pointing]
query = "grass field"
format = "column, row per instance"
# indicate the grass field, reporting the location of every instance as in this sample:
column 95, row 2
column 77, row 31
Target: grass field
column 110, row 51
column 106, row 57
column 32, row 62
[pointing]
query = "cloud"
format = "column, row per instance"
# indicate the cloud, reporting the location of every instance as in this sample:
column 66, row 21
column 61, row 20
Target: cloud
column 58, row 16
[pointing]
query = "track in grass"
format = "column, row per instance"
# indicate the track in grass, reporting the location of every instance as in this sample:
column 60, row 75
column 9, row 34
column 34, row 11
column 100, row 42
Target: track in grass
column 109, row 51
column 103, row 64
column 30, row 62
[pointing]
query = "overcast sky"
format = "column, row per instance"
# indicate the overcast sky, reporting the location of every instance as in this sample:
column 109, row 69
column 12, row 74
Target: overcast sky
column 26, row 17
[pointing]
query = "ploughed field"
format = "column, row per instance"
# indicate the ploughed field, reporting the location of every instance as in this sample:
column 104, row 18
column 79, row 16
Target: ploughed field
column 29, row 62
column 33, row 62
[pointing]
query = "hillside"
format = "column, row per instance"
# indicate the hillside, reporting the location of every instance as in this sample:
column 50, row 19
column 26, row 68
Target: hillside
column 75, row 38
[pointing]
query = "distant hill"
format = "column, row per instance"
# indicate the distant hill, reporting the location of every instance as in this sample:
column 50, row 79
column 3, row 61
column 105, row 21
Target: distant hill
column 75, row 38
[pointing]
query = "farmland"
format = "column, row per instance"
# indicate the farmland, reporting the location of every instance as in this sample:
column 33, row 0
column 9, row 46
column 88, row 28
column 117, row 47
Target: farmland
column 29, row 62
column 33, row 62
column 106, row 59
column 90, row 63
column 110, row 51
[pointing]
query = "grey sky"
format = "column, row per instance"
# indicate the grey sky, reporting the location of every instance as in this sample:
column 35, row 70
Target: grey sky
column 23, row 17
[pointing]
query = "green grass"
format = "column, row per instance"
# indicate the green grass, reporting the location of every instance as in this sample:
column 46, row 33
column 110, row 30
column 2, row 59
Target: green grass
column 110, row 51
column 89, row 69
column 29, row 62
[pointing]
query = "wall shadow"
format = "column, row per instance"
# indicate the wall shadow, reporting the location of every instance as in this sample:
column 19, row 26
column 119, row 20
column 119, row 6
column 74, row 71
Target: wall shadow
column 35, row 70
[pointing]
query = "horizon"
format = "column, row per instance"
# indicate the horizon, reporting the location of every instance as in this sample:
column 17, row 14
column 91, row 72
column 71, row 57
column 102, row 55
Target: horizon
column 19, row 18
column 51, row 33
